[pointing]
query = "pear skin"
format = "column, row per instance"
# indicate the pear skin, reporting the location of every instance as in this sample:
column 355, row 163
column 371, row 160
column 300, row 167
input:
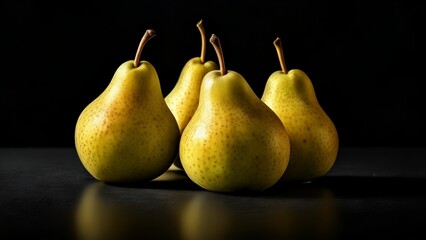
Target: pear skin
column 184, row 97
column 313, row 136
column 128, row 133
column 234, row 142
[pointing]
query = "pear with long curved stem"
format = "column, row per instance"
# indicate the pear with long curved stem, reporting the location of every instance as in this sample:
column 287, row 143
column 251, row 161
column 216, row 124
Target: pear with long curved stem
column 234, row 141
column 184, row 97
column 128, row 133
column 313, row 135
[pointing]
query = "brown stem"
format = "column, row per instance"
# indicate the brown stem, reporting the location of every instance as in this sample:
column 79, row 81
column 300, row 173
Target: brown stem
column 203, row 40
column 278, row 47
column 148, row 35
column 214, row 40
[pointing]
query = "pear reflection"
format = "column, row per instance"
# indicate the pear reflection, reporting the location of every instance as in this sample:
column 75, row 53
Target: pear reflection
column 161, row 211
column 99, row 218
column 309, row 212
column 299, row 213
column 207, row 216
column 106, row 212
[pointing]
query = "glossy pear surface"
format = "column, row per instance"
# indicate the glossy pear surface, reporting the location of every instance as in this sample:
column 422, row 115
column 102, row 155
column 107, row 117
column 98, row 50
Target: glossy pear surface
column 313, row 135
column 183, row 99
column 234, row 142
column 128, row 133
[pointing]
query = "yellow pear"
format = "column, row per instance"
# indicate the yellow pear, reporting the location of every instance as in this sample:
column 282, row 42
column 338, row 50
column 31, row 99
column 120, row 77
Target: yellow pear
column 183, row 99
column 128, row 133
column 234, row 142
column 313, row 135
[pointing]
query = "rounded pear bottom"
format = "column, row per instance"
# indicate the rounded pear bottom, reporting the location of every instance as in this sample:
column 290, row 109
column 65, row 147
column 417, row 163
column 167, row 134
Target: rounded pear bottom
column 314, row 149
column 235, row 166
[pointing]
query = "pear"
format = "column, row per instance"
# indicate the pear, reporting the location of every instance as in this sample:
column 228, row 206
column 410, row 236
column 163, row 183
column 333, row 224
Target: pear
column 313, row 135
column 183, row 99
column 234, row 142
column 128, row 133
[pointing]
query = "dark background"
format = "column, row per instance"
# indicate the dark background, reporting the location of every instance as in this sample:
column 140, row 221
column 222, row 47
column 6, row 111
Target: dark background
column 365, row 59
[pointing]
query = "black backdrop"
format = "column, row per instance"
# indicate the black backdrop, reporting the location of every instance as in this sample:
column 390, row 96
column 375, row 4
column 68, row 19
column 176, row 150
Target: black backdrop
column 365, row 59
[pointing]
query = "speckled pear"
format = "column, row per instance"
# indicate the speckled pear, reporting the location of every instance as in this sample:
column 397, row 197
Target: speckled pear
column 313, row 136
column 128, row 133
column 234, row 142
column 183, row 99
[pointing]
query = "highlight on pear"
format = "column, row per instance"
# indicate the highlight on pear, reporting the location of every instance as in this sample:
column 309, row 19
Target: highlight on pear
column 212, row 126
column 313, row 136
column 183, row 98
column 128, row 134
column 234, row 142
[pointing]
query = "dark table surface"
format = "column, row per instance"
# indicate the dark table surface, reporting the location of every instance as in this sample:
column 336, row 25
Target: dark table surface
column 45, row 193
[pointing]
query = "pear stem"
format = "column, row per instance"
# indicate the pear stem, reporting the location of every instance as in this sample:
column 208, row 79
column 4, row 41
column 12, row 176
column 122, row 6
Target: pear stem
column 148, row 35
column 278, row 47
column 214, row 40
column 203, row 40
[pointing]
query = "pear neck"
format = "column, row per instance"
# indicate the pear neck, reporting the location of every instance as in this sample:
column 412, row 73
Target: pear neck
column 132, row 85
column 231, row 90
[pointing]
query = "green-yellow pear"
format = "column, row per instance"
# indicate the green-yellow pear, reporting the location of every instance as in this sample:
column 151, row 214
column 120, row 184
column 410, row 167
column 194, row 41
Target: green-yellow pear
column 234, row 142
column 128, row 133
column 313, row 136
column 183, row 99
